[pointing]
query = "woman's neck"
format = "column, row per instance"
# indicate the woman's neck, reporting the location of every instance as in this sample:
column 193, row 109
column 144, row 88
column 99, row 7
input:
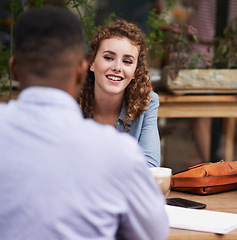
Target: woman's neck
column 107, row 108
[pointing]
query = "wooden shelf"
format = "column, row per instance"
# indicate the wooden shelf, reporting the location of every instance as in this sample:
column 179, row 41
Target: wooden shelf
column 188, row 106
column 6, row 96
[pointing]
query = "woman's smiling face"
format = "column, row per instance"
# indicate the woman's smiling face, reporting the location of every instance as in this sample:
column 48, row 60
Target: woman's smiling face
column 114, row 65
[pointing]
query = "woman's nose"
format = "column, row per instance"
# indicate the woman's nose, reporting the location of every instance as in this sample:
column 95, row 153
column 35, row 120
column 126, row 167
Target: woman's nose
column 116, row 67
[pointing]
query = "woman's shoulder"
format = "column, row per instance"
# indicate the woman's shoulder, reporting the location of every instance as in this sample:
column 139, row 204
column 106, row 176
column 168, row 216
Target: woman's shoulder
column 154, row 95
column 154, row 98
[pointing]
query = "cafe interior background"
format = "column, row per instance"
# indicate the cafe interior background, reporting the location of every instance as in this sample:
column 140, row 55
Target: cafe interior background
column 178, row 147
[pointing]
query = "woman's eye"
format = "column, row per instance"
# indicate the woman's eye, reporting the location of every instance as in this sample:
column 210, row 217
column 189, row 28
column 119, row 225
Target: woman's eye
column 108, row 58
column 127, row 61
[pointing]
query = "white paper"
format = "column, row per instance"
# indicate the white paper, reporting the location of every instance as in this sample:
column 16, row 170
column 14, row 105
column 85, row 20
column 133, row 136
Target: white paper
column 201, row 220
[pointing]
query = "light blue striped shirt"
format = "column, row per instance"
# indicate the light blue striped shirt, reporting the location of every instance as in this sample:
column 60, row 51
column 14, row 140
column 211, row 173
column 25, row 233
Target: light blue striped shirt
column 64, row 177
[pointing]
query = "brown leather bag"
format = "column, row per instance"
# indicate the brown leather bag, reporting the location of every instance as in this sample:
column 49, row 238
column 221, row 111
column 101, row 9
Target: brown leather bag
column 206, row 178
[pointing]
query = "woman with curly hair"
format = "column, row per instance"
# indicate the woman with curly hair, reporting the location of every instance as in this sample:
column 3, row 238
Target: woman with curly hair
column 118, row 89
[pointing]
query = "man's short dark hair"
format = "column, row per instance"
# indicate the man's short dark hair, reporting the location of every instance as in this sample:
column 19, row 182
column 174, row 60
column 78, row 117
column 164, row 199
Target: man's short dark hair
column 42, row 36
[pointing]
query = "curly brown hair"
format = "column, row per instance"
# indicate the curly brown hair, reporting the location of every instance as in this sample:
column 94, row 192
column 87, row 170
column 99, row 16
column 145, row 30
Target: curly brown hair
column 136, row 95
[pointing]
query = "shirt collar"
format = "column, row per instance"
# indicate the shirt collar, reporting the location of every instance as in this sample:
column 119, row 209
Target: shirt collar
column 121, row 116
column 48, row 96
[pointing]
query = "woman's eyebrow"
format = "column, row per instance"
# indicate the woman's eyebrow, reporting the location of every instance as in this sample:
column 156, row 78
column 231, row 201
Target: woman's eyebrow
column 113, row 53
column 128, row 55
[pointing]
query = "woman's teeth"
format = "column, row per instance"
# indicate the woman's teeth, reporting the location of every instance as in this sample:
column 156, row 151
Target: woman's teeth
column 114, row 78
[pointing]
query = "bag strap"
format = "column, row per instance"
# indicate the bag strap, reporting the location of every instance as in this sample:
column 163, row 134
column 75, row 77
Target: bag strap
column 208, row 181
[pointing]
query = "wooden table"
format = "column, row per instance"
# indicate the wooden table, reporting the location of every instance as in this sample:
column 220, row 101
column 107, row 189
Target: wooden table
column 195, row 106
column 222, row 202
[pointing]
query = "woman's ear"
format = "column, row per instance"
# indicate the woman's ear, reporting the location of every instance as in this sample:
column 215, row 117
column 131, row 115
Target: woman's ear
column 12, row 66
column 92, row 67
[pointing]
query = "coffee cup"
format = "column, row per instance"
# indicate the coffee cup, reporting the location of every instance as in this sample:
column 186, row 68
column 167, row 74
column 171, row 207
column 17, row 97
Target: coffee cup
column 162, row 177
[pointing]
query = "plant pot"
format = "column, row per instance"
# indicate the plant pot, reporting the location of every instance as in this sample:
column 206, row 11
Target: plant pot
column 200, row 81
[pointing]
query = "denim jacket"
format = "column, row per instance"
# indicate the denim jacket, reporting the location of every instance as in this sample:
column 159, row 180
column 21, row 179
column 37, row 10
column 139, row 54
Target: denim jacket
column 144, row 128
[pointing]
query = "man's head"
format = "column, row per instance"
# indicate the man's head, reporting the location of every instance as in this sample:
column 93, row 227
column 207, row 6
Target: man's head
column 49, row 49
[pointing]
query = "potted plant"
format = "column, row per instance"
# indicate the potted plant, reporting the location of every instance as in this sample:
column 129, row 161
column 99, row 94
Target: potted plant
column 182, row 73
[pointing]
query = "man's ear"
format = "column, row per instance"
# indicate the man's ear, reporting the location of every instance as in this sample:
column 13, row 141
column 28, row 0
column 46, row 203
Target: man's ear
column 12, row 65
column 82, row 72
